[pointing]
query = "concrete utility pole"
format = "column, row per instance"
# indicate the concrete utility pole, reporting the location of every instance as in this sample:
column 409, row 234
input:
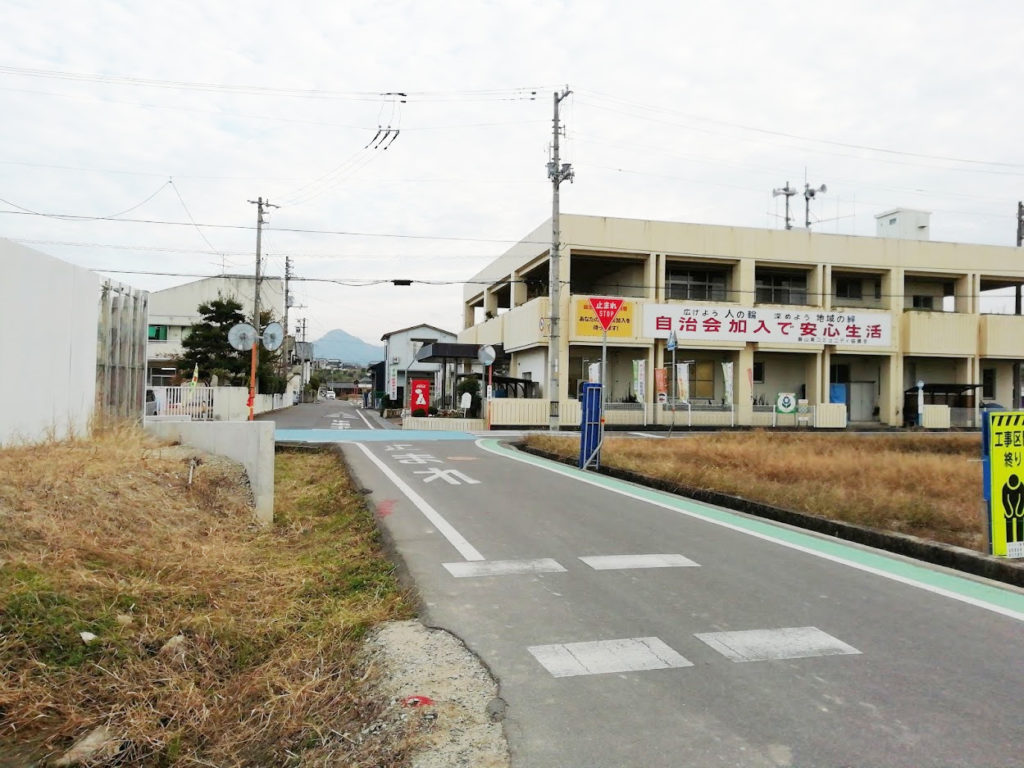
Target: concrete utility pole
column 557, row 172
column 260, row 206
column 1020, row 224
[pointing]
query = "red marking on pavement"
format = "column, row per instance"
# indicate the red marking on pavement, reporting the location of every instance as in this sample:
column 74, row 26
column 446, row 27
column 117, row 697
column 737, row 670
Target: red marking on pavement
column 386, row 507
column 417, row 701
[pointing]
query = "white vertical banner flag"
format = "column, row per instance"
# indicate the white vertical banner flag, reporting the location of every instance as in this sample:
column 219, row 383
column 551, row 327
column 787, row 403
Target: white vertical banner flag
column 683, row 381
column 727, row 375
column 641, row 380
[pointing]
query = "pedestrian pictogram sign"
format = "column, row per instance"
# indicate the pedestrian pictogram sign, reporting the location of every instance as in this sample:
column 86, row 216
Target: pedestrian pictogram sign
column 420, row 394
column 606, row 310
column 1006, row 482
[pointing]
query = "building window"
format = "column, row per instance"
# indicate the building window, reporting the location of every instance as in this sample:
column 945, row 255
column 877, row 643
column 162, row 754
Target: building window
column 759, row 373
column 781, row 288
column 988, row 383
column 158, row 333
column 696, row 284
column 849, row 288
column 839, row 373
column 924, row 302
column 702, row 379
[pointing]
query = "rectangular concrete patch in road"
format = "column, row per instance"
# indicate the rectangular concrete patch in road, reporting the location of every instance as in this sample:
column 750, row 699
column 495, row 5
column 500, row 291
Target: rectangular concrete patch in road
column 503, row 567
column 604, row 656
column 623, row 562
column 773, row 644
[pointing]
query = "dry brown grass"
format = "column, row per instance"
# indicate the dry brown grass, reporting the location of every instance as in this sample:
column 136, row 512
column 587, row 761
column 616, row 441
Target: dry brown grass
column 927, row 486
column 106, row 536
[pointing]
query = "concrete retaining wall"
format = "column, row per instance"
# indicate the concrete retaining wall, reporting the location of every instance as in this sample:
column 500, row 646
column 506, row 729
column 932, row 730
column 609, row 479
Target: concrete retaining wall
column 250, row 443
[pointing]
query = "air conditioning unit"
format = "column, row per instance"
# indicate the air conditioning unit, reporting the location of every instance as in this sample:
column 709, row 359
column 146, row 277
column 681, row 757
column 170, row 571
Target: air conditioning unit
column 394, row 360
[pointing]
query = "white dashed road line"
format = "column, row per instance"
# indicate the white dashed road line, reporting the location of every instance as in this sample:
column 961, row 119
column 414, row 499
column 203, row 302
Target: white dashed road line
column 606, row 656
column 503, row 567
column 772, row 644
column 622, row 562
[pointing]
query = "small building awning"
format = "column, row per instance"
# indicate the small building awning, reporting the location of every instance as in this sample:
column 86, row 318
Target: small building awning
column 948, row 390
column 441, row 352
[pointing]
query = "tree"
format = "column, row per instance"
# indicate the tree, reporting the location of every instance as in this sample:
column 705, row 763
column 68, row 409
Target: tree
column 207, row 344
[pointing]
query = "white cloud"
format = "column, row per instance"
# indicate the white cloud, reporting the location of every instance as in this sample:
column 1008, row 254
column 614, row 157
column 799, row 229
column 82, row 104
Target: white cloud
column 689, row 111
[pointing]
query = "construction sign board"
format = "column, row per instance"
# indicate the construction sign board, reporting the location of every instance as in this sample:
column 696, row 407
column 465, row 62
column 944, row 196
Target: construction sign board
column 1006, row 482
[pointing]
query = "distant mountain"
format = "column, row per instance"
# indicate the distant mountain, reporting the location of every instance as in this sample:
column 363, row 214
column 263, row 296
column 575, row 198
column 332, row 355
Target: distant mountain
column 338, row 345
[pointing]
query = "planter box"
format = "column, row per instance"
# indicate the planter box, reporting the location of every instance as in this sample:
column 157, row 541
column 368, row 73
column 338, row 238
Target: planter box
column 443, row 425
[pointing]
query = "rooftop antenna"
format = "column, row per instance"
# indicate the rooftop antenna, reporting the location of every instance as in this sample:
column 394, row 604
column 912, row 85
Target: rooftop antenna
column 809, row 194
column 788, row 191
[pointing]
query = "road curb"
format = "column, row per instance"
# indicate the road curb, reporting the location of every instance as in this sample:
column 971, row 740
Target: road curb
column 947, row 555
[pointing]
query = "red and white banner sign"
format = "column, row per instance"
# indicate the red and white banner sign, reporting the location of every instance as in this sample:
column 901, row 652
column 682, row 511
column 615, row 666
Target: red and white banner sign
column 606, row 310
column 419, row 396
column 725, row 323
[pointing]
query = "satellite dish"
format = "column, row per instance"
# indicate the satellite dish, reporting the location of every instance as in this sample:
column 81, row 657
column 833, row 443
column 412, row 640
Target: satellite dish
column 242, row 336
column 486, row 354
column 273, row 336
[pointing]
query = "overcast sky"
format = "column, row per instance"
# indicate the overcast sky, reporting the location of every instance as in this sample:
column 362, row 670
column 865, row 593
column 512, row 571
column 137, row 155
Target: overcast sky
column 680, row 111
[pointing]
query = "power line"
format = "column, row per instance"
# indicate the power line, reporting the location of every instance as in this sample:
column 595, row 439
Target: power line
column 295, row 230
column 782, row 134
column 279, row 253
column 500, row 94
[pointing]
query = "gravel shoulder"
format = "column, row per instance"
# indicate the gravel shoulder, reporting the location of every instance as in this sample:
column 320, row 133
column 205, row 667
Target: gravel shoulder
column 432, row 679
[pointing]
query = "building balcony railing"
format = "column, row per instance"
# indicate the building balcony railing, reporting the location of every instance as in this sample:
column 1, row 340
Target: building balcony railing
column 946, row 334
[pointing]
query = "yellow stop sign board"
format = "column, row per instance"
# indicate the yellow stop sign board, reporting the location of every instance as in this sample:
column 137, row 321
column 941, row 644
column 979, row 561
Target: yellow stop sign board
column 1006, row 490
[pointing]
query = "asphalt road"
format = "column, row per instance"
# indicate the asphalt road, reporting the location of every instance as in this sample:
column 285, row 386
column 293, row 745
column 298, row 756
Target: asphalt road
column 750, row 643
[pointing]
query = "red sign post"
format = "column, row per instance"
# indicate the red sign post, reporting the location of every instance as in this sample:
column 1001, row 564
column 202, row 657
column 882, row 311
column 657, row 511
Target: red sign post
column 606, row 310
column 419, row 397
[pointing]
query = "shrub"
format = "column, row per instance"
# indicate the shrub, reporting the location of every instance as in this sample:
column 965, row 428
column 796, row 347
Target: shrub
column 419, row 412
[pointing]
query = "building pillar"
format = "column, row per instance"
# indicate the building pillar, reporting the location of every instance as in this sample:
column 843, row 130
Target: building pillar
column 817, row 291
column 490, row 305
column 661, row 277
column 745, row 289
column 815, row 377
column 826, row 282
column 743, row 389
column 824, row 380
column 518, row 290
column 892, row 413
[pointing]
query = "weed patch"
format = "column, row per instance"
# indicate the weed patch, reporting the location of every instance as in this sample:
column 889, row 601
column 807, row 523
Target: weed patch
column 217, row 642
column 927, row 486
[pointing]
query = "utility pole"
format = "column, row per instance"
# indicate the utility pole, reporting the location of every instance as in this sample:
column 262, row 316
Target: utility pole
column 1020, row 224
column 287, row 303
column 788, row 191
column 557, row 172
column 260, row 206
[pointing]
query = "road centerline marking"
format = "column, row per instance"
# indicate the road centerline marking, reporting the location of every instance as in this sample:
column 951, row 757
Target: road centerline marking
column 446, row 529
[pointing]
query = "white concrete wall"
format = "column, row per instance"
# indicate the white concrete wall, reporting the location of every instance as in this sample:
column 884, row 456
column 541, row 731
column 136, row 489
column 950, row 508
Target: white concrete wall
column 250, row 443
column 48, row 313
column 532, row 364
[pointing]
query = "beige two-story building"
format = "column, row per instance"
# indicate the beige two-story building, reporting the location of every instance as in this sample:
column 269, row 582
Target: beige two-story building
column 838, row 321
